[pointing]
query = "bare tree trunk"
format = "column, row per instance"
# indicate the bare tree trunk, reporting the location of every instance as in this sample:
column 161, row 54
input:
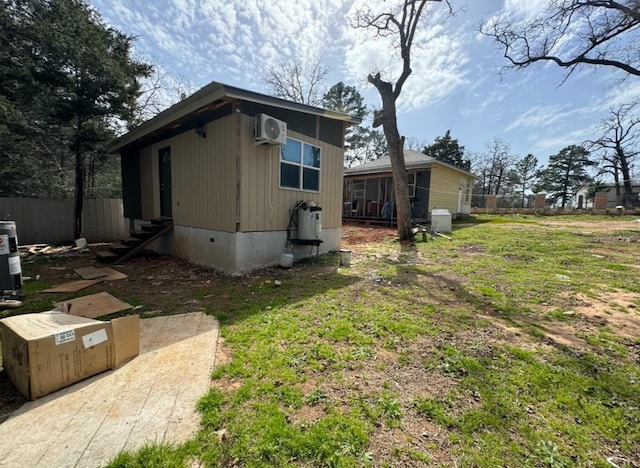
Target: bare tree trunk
column 616, row 181
column 565, row 187
column 79, row 194
column 388, row 118
column 626, row 178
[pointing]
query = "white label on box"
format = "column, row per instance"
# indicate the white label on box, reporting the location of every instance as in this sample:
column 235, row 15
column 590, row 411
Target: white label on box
column 4, row 244
column 94, row 338
column 65, row 336
column 14, row 266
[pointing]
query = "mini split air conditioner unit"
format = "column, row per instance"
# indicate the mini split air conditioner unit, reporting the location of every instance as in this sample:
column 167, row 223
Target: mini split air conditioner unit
column 270, row 131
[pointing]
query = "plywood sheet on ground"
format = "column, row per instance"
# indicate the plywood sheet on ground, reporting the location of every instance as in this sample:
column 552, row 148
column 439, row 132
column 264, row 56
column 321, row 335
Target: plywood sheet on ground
column 94, row 305
column 73, row 286
column 90, row 272
column 105, row 274
column 150, row 399
column 110, row 274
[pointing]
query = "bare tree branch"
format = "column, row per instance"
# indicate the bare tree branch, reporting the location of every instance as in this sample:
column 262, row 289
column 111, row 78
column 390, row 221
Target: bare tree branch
column 400, row 24
column 292, row 81
column 601, row 33
column 159, row 92
column 619, row 146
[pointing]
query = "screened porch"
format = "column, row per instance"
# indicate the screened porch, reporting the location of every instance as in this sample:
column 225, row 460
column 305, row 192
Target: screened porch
column 371, row 199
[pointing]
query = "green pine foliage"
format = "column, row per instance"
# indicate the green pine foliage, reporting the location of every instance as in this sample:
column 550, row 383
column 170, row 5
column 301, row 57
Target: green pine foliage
column 448, row 150
column 362, row 144
column 566, row 173
column 68, row 85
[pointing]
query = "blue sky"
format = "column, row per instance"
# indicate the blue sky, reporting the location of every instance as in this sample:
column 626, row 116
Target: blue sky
column 455, row 83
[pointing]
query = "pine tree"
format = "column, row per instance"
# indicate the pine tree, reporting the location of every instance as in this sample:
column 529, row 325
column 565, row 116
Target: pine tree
column 448, row 150
column 565, row 174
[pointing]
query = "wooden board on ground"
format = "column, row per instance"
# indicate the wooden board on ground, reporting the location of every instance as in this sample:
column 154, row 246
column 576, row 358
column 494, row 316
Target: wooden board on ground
column 90, row 272
column 111, row 274
column 105, row 274
column 94, row 305
column 73, row 286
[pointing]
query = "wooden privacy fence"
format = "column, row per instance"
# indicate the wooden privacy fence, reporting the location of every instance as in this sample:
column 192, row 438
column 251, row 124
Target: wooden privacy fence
column 43, row 221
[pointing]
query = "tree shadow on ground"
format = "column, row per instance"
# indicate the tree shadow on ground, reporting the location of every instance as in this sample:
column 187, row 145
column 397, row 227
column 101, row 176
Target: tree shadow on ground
column 448, row 291
column 164, row 285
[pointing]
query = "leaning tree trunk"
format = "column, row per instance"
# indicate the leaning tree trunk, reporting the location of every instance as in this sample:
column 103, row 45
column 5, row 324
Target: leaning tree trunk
column 395, row 144
column 400, row 185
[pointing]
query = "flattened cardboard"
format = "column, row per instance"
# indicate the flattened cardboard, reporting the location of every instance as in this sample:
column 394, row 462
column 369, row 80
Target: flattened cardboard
column 73, row 286
column 42, row 353
column 94, row 305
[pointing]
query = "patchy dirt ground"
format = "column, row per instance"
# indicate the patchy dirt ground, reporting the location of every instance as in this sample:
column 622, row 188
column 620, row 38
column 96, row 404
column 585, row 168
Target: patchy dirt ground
column 165, row 285
column 355, row 235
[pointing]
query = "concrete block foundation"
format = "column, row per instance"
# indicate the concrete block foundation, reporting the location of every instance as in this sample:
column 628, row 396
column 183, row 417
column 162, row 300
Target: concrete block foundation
column 235, row 252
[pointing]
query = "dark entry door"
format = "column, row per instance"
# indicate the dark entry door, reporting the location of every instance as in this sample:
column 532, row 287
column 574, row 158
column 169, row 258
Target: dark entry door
column 164, row 166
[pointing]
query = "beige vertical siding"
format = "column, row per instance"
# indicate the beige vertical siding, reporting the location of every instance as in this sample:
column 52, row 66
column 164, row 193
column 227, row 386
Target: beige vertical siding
column 443, row 191
column 264, row 205
column 202, row 177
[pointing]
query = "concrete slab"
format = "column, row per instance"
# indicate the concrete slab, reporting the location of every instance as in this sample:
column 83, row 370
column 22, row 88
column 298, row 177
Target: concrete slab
column 150, row 399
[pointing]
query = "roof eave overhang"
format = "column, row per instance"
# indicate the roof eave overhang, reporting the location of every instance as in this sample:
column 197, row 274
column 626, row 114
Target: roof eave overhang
column 414, row 166
column 200, row 99
column 211, row 94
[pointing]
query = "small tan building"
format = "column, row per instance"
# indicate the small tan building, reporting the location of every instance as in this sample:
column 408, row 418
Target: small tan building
column 433, row 184
column 614, row 196
column 229, row 166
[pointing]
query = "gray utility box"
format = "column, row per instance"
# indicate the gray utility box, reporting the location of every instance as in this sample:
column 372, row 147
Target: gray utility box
column 10, row 267
column 441, row 220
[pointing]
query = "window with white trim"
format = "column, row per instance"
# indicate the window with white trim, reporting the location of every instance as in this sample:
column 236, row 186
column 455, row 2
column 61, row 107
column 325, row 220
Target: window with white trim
column 300, row 166
column 411, row 182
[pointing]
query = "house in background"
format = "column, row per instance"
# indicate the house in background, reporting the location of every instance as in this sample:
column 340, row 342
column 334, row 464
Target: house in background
column 227, row 166
column 584, row 199
column 368, row 188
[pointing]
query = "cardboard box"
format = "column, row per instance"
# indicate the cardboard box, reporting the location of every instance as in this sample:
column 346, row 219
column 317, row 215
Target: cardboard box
column 44, row 352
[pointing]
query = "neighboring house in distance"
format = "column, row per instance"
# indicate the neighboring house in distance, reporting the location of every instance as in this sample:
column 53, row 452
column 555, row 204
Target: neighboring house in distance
column 368, row 188
column 582, row 200
column 230, row 197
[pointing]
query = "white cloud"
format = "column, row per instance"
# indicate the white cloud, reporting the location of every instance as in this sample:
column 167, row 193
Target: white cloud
column 488, row 104
column 552, row 143
column 438, row 59
column 625, row 93
column 236, row 41
column 543, row 116
column 524, row 9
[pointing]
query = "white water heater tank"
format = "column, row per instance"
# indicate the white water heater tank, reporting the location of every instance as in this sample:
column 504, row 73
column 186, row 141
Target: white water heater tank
column 310, row 222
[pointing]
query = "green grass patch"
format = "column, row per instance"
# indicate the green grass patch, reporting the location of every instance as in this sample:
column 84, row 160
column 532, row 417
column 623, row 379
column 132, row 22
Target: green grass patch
column 328, row 368
column 563, row 407
column 154, row 456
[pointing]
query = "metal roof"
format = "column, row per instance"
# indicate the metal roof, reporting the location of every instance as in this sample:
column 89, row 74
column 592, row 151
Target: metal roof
column 412, row 159
column 219, row 92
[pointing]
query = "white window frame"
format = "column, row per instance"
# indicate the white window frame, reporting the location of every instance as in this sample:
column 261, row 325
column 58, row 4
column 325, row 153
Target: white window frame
column 302, row 166
column 412, row 185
